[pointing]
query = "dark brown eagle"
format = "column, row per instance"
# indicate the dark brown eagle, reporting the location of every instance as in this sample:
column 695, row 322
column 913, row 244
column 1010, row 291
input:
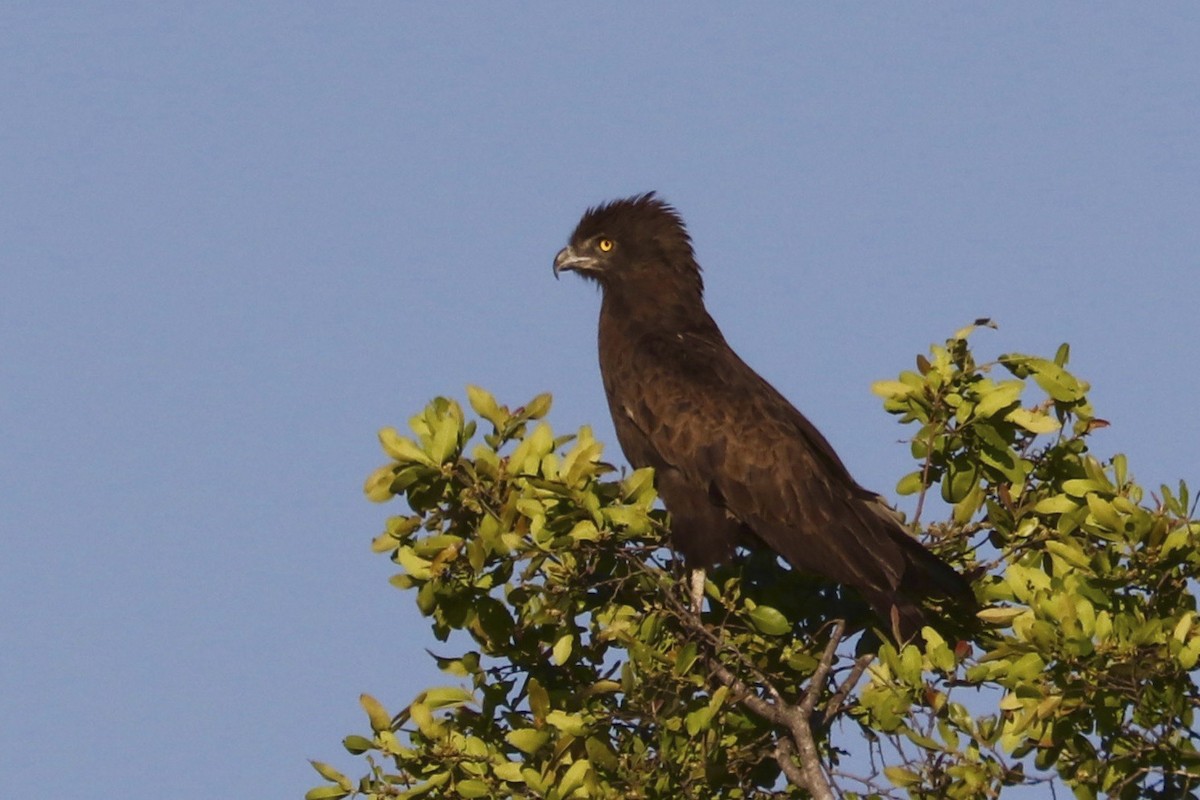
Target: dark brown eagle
column 734, row 461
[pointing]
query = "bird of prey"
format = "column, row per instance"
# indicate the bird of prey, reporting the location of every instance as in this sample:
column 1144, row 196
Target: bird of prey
column 734, row 461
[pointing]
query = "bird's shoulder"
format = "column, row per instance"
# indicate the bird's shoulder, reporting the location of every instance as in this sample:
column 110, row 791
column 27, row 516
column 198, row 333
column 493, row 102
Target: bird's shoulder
column 696, row 400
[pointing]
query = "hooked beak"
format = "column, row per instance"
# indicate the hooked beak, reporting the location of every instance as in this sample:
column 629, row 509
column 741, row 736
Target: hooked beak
column 567, row 260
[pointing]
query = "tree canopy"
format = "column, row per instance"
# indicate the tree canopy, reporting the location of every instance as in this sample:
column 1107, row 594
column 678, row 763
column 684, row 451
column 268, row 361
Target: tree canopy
column 577, row 669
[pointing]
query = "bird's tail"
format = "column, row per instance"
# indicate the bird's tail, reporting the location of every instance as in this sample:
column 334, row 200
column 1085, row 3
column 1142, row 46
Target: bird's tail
column 931, row 592
column 928, row 587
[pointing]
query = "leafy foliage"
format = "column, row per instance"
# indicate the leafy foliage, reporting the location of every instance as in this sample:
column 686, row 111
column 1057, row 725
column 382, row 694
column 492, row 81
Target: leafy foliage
column 586, row 674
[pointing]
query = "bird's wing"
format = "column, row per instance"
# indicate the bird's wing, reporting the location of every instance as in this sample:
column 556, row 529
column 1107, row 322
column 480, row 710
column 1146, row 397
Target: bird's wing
column 690, row 405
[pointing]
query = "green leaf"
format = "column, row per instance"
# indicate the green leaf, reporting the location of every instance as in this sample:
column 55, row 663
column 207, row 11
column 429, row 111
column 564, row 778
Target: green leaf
column 900, row 776
column 599, row 752
column 685, row 658
column 910, row 666
column 770, row 621
column 910, row 483
column 585, row 531
column 447, row 696
column 999, row 397
column 424, row 787
column 960, row 479
column 485, row 405
column 982, row 322
column 1033, row 421
column 378, row 716
column 1026, row 668
column 422, row 715
column 413, row 564
column 1058, row 504
column 326, row 793
column 1079, row 487
column 539, row 700
column 1176, row 539
column 538, row 407
column 1069, row 551
column 574, row 777
column 401, row 448
column 997, row 615
column 1189, row 655
column 471, row 788
column 378, row 485
column 562, row 649
column 357, row 745
column 965, row 509
column 698, row 720
column 445, row 437
column 527, row 740
column 567, row 723
column 1104, row 513
column 892, row 389
column 1052, row 378
column 1010, row 702
column 330, row 774
column 1183, row 627
column 509, row 771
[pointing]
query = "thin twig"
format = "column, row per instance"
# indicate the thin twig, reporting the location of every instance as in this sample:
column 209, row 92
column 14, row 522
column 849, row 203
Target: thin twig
column 839, row 697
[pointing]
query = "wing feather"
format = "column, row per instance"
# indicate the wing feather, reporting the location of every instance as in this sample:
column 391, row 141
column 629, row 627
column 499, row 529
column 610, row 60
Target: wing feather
column 693, row 407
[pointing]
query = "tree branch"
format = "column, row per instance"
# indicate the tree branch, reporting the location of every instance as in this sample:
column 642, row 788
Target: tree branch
column 839, row 697
column 797, row 719
column 802, row 746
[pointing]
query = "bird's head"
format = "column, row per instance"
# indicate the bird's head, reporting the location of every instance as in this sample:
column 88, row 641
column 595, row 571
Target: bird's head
column 628, row 241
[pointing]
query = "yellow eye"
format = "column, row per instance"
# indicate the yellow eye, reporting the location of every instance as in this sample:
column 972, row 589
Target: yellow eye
column 605, row 245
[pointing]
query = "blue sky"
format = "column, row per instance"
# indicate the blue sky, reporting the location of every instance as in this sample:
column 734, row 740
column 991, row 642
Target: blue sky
column 237, row 239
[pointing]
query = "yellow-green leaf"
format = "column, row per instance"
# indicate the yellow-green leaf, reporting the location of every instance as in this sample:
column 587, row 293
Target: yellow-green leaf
column 910, row 483
column 445, row 437
column 527, row 740
column 562, row 649
column 574, row 777
column 999, row 615
column 443, row 696
column 539, row 406
column 1033, row 421
column 539, row 701
column 1103, row 512
column 1001, row 396
column 509, row 771
column 330, row 774
column 471, row 788
column 1184, row 626
column 567, row 723
column 413, row 564
column 1011, row 702
column 357, row 745
column 380, row 719
column 485, row 405
column 422, row 717
column 890, row 389
column 901, row 776
column 1058, row 504
column 1070, row 552
column 402, row 448
column 770, row 621
column 378, row 486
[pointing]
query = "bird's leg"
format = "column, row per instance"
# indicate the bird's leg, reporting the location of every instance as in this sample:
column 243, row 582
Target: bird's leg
column 696, row 582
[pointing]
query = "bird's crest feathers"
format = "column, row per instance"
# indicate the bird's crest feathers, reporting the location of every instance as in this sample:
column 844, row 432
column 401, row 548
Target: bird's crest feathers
column 644, row 231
